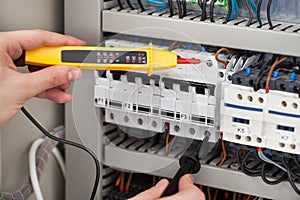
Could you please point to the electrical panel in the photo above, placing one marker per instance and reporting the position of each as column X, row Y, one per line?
column 244, row 95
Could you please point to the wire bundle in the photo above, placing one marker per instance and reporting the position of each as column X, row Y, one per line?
column 283, row 167
column 44, row 147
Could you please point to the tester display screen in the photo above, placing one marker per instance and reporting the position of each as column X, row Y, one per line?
column 104, row 57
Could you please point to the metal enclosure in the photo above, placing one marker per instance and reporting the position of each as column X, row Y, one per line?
column 87, row 20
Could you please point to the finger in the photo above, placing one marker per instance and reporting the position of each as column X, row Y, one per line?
column 55, row 95
column 65, row 86
column 32, row 39
column 187, row 190
column 50, row 77
column 154, row 192
column 186, row 182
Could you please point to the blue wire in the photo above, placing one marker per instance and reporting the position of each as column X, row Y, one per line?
column 254, row 7
column 235, row 10
column 164, row 4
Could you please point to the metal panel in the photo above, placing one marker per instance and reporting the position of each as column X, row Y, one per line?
column 240, row 37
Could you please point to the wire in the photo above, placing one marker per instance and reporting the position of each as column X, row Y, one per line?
column 211, row 13
column 295, row 157
column 227, row 19
column 128, row 182
column 60, row 160
column 167, row 130
column 120, row 5
column 264, row 178
column 291, row 180
column 122, row 181
column 141, row 5
column 118, row 181
column 183, row 4
column 235, row 10
column 129, row 4
column 216, row 194
column 250, row 13
column 224, row 154
column 258, row 13
column 271, row 71
column 254, row 7
column 208, row 193
column 217, row 56
column 234, row 196
column 249, row 171
column 262, row 156
column 170, row 5
column 180, row 12
column 32, row 169
column 203, row 14
column 269, row 14
column 46, row 133
column 164, row 5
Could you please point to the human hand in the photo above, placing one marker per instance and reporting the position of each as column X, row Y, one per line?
column 187, row 191
column 16, row 88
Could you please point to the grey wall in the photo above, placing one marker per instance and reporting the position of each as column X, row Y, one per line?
column 17, row 136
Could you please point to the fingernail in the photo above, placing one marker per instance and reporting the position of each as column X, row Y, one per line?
column 74, row 74
column 161, row 183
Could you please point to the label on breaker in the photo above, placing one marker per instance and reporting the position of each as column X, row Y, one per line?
column 285, row 138
column 184, row 117
column 241, row 130
column 101, row 101
column 128, row 106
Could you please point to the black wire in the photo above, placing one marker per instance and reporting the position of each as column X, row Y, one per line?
column 264, row 178
column 129, row 4
column 269, row 14
column 251, row 16
column 211, row 13
column 203, row 14
column 248, row 171
column 120, row 5
column 258, row 13
column 179, row 8
column 227, row 19
column 265, row 68
column 295, row 157
column 141, row 5
column 291, row 180
column 183, row 4
column 46, row 133
column 170, row 5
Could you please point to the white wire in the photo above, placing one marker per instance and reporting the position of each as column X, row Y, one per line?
column 266, row 159
column 32, row 168
column 60, row 160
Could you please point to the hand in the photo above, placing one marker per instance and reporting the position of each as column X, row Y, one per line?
column 187, row 191
column 15, row 87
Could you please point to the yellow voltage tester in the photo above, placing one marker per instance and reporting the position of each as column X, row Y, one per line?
column 107, row 58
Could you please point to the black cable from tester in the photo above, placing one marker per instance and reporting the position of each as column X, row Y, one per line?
column 91, row 153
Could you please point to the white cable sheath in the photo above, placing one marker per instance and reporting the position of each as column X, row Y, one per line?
column 60, row 160
column 32, row 168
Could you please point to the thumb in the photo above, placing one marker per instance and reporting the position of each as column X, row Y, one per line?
column 50, row 77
